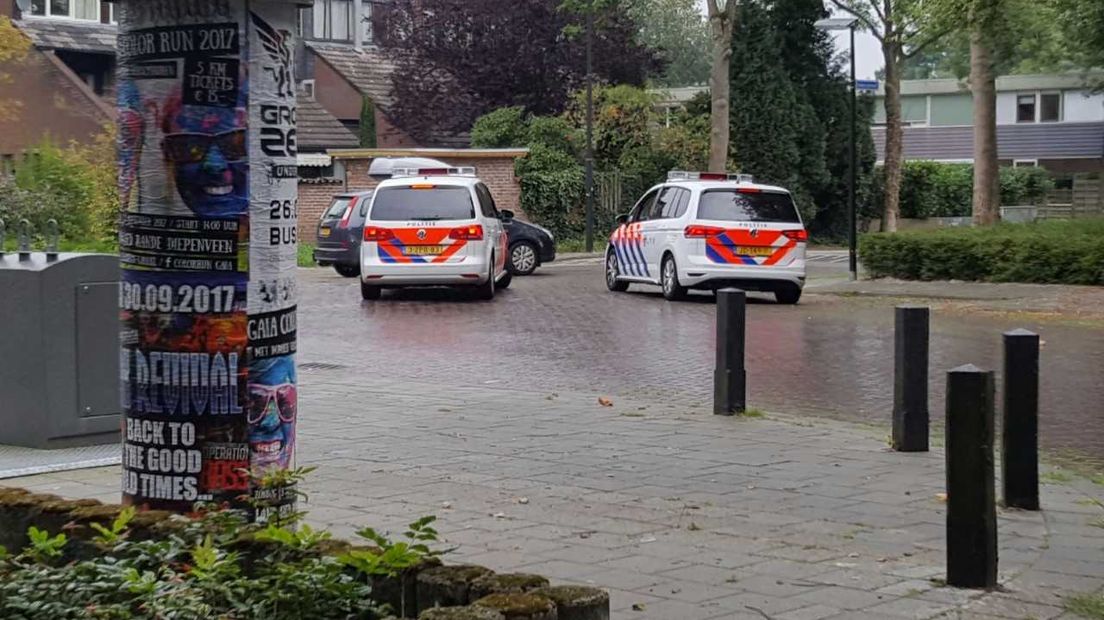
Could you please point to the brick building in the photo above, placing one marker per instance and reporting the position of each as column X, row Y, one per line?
column 494, row 166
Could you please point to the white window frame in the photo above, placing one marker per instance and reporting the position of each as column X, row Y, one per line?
column 1025, row 163
column 49, row 12
column 1039, row 106
column 1035, row 116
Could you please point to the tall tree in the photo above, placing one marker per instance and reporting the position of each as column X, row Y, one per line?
column 1083, row 25
column 457, row 59
column 722, row 21
column 13, row 47
column 983, row 15
column 899, row 27
column 677, row 29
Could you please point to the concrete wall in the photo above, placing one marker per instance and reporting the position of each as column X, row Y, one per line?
column 51, row 100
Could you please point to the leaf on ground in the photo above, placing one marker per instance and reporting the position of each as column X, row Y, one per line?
column 941, row 497
column 638, row 607
column 605, row 402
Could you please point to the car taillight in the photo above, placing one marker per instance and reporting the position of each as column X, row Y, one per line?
column 473, row 232
column 701, row 232
column 797, row 235
column 377, row 234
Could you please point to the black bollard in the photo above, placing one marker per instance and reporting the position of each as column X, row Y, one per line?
column 910, row 380
column 730, row 379
column 1020, row 423
column 971, row 496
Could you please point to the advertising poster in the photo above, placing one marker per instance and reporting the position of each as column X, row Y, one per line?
column 207, row 180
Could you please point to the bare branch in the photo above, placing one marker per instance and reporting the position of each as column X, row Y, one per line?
column 865, row 19
column 919, row 47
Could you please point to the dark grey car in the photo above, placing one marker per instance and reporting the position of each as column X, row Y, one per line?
column 340, row 233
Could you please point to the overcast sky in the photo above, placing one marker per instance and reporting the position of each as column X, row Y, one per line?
column 868, row 55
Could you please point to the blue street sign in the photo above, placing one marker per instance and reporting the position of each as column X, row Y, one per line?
column 866, row 85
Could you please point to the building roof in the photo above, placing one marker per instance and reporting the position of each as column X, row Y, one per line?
column 368, row 69
column 1005, row 83
column 318, row 130
column 70, row 34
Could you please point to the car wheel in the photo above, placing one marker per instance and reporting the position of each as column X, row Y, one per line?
column 486, row 291
column 672, row 290
column 504, row 281
column 523, row 258
column 612, row 273
column 369, row 293
column 789, row 295
column 347, row 271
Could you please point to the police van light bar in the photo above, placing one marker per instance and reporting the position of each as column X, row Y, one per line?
column 680, row 175
column 462, row 171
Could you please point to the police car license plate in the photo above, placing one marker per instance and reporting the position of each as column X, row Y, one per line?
column 423, row 250
column 325, row 232
column 747, row 250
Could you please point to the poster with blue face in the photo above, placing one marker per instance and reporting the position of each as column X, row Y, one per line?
column 207, row 154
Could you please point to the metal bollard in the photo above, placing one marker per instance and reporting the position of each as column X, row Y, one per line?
column 24, row 240
column 730, row 378
column 1020, row 422
column 971, row 501
column 910, row 380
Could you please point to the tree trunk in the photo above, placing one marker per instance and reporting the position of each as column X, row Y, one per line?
column 894, row 135
column 986, row 207
column 721, row 36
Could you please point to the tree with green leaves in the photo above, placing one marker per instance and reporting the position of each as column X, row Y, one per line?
column 677, row 29
column 13, row 48
column 1082, row 24
column 722, row 22
column 902, row 29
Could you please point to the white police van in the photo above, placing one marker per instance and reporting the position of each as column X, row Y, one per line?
column 704, row 230
column 434, row 227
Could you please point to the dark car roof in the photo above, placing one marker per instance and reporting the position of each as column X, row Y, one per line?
column 367, row 192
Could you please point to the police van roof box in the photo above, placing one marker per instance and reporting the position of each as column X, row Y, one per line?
column 680, row 175
column 384, row 167
column 445, row 171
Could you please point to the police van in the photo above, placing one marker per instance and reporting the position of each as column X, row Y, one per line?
column 704, row 230
column 434, row 227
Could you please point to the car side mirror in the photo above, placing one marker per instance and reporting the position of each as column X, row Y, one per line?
column 506, row 215
column 623, row 218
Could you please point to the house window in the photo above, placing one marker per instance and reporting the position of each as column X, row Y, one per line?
column 1050, row 107
column 1025, row 109
column 366, row 22
column 71, row 9
column 333, row 20
column 1025, row 163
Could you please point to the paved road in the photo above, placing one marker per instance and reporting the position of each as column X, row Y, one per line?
column 561, row 330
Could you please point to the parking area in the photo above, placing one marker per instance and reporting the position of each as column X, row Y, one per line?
column 560, row 330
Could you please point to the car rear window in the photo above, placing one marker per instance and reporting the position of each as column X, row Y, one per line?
column 337, row 209
column 730, row 205
column 396, row 204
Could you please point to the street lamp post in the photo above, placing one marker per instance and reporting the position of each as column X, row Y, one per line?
column 849, row 23
column 590, row 128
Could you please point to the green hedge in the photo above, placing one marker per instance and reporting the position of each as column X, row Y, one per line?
column 934, row 189
column 1066, row 252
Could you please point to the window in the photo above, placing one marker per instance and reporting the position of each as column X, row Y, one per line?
column 398, row 204
column 1050, row 107
column 337, row 209
column 1025, row 163
column 333, row 20
column 683, row 202
column 366, row 23
column 734, row 206
column 72, row 9
column 1025, row 109
column 664, row 205
column 486, row 202
column 641, row 211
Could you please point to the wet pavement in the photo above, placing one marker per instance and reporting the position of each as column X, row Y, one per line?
column 561, row 330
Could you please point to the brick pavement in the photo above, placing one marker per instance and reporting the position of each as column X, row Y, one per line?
column 681, row 514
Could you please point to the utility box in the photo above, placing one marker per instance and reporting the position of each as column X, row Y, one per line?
column 59, row 350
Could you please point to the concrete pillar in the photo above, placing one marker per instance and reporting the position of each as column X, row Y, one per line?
column 207, row 239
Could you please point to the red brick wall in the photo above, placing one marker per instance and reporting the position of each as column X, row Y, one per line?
column 388, row 136
column 496, row 172
column 315, row 196
column 49, row 103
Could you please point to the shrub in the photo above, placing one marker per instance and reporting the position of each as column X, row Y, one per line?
column 555, row 198
column 502, row 128
column 934, row 189
column 1068, row 252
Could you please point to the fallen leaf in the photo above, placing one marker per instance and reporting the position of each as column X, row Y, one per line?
column 499, row 515
column 523, row 500
column 693, row 527
column 941, row 497
column 605, row 402
column 638, row 607
column 852, row 555
column 446, row 505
